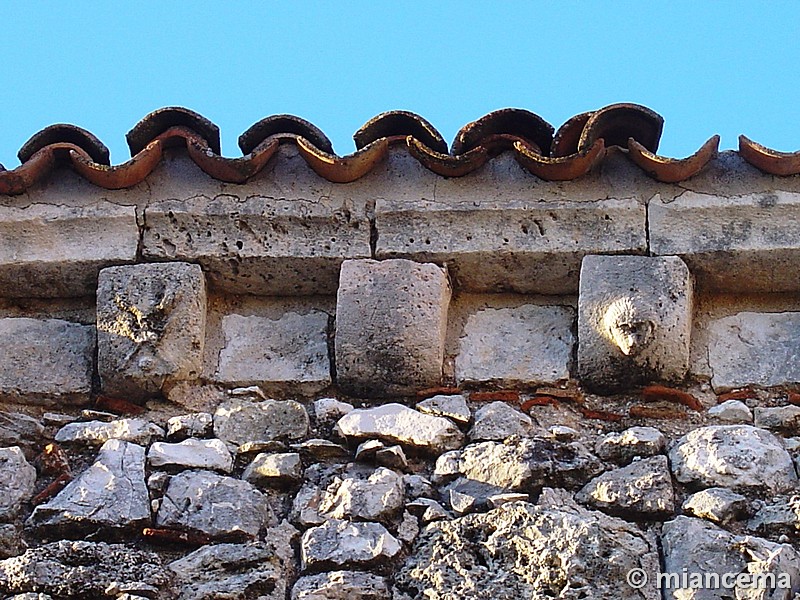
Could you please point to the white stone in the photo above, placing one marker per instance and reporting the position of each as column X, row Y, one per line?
column 497, row 421
column 452, row 406
column 240, row 421
column 281, row 355
column 740, row 457
column 151, row 321
column 285, row 241
column 337, row 544
column 636, row 441
column 715, row 504
column 514, row 346
column 367, row 495
column 740, row 242
column 341, row 585
column 137, row 431
column 731, row 411
column 642, row 488
column 17, row 480
column 267, row 469
column 214, row 505
column 391, row 321
column 56, row 251
column 751, row 348
column 497, row 236
column 330, row 409
column 197, row 425
column 110, row 493
column 634, row 321
column 398, row 424
column 192, row 454
column 46, row 361
column 781, row 418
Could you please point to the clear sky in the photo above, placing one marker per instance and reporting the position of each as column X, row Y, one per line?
column 721, row 67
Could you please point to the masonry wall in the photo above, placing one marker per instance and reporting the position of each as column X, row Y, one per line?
column 402, row 387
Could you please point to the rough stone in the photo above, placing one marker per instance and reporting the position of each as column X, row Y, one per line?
column 364, row 494
column 516, row 346
column 45, row 250
column 740, row 457
column 274, row 469
column 340, row 544
column 341, row 585
column 392, row 457
column 192, row 454
column 46, row 361
column 623, row 447
column 261, row 569
column 451, row 406
column 330, row 409
column 289, row 354
column 525, row 551
column 78, row 569
column 111, row 493
column 692, row 545
column 318, row 449
column 214, row 505
column 502, row 239
column 642, row 488
column 629, row 337
column 731, row 411
column 195, row 425
column 779, row 517
column 18, row 429
column 391, row 321
column 497, row 421
column 151, row 321
column 240, row 421
column 11, row 541
column 742, row 242
column 716, row 504
column 428, row 510
column 137, row 431
column 517, row 464
column 17, row 480
column 417, row 486
column 286, row 241
column 751, row 348
column 398, row 424
column 785, row 419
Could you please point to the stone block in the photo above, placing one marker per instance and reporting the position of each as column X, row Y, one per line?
column 514, row 346
column 754, row 348
column 259, row 244
column 151, row 323
column 49, row 251
column 46, row 361
column 289, row 354
column 391, row 320
column 634, row 321
column 509, row 245
column 740, row 243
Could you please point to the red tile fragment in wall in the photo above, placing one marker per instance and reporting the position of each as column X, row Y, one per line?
column 436, row 391
column 601, row 415
column 660, row 393
column 511, row 396
column 736, row 395
column 51, row 490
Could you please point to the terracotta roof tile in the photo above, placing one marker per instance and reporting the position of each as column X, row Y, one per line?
column 574, row 150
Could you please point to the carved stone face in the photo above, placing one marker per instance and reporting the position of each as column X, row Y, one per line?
column 628, row 326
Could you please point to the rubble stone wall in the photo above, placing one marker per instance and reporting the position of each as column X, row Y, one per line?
column 403, row 387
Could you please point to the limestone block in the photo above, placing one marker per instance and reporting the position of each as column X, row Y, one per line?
column 288, row 354
column 259, row 244
column 391, row 320
column 749, row 242
column 754, row 348
column 513, row 346
column 46, row 360
column 634, row 320
column 515, row 245
column 49, row 251
column 151, row 323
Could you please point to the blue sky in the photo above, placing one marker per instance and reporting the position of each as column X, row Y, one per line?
column 722, row 67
